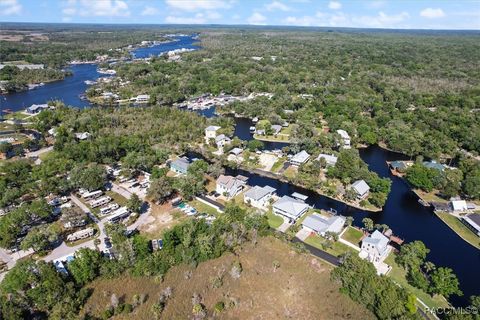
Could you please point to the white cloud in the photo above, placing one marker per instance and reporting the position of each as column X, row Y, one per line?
column 257, row 18
column 340, row 19
column 195, row 5
column 276, row 5
column 10, row 7
column 149, row 11
column 432, row 13
column 334, row 5
column 102, row 8
column 198, row 18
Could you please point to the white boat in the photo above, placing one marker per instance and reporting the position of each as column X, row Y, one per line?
column 252, row 129
column 90, row 82
column 255, row 120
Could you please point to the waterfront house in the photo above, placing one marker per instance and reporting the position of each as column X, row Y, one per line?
column 276, row 129
column 399, row 166
column 321, row 224
column 472, row 221
column 375, row 247
column 180, row 165
column 290, row 208
column 361, row 188
column 434, row 165
column 230, row 186
column 458, row 205
column 259, row 197
column 300, row 158
column 211, row 133
column 222, row 140
column 345, row 139
column 36, row 108
column 330, row 159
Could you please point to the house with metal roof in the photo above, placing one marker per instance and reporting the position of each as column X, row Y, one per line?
column 300, row 158
column 399, row 166
column 259, row 197
column 230, row 186
column 222, row 140
column 375, row 247
column 321, row 224
column 345, row 139
column 180, row 165
column 289, row 207
column 37, row 108
column 434, row 165
column 472, row 221
column 361, row 188
column 211, row 132
column 330, row 159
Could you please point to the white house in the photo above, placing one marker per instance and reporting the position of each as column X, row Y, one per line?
column 229, row 185
column 300, row 158
column 222, row 140
column 211, row 132
column 259, row 197
column 345, row 143
column 330, row 159
column 321, row 224
column 458, row 206
column 289, row 207
column 375, row 247
column 361, row 188
column 82, row 234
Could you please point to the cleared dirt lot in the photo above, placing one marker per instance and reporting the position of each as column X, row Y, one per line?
column 299, row 289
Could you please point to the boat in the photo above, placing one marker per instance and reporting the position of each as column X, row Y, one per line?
column 252, row 129
column 424, row 203
column 90, row 82
column 255, row 120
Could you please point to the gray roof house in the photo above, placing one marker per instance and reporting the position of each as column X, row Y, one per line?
column 289, row 207
column 321, row 224
column 330, row 159
column 472, row 221
column 361, row 188
column 221, row 140
column 259, row 197
column 230, row 185
column 375, row 246
column 180, row 165
column 434, row 165
column 276, row 128
column 300, row 158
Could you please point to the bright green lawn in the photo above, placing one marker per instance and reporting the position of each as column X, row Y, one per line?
column 352, row 235
column 278, row 165
column 456, row 225
column 273, row 220
column 203, row 208
column 337, row 248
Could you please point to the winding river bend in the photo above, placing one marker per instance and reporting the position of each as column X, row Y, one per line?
column 408, row 219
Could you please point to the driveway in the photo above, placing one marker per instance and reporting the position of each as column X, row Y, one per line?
column 284, row 226
column 302, row 234
column 121, row 191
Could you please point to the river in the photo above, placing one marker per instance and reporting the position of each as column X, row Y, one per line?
column 408, row 219
column 70, row 89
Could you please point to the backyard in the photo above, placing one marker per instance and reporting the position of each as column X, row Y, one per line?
column 353, row 235
column 456, row 225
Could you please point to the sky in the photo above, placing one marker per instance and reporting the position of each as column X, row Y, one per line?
column 397, row 14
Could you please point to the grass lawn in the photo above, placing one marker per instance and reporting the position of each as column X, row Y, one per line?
column 429, row 196
column 337, row 248
column 121, row 200
column 5, row 126
column 456, row 225
column 203, row 208
column 352, row 235
column 290, row 172
column 279, row 164
column 273, row 220
column 398, row 274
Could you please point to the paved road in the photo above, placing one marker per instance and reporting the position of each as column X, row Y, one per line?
column 121, row 191
column 320, row 253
